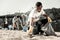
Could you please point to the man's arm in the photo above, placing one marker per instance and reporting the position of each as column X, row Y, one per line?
column 31, row 22
column 49, row 19
column 31, row 26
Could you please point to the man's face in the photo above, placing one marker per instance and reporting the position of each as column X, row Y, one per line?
column 39, row 8
column 15, row 16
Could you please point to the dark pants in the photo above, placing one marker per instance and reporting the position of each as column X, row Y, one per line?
column 5, row 25
column 37, row 27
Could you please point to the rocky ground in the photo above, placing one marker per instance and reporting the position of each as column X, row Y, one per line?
column 20, row 35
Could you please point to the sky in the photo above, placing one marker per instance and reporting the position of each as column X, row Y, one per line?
column 12, row 6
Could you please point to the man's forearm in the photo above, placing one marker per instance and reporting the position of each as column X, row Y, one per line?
column 32, row 21
column 49, row 19
column 31, row 26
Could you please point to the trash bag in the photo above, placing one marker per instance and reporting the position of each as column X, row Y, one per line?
column 48, row 29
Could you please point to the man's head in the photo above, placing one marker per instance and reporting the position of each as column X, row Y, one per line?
column 38, row 6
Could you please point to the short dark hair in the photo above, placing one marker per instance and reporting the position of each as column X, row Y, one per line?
column 38, row 4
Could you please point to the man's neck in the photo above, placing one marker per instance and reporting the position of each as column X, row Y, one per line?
column 38, row 11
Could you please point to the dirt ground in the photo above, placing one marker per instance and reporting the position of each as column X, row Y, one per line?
column 20, row 35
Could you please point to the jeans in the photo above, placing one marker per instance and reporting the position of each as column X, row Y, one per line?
column 25, row 28
column 10, row 27
column 37, row 27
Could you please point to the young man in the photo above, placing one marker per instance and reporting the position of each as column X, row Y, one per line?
column 17, row 23
column 34, row 16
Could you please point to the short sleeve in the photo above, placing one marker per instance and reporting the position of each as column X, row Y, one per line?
column 30, row 15
column 43, row 12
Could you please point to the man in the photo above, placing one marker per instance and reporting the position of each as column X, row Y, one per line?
column 34, row 16
column 17, row 23
column 6, row 23
column 13, row 21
